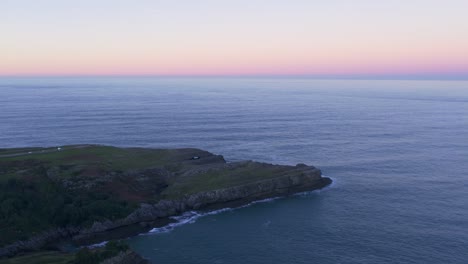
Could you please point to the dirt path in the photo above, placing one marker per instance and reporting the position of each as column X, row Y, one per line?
column 42, row 151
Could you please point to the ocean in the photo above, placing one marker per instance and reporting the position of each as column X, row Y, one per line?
column 396, row 150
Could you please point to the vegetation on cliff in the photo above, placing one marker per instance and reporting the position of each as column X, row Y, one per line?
column 82, row 186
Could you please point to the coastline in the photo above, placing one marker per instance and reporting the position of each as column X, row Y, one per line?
column 147, row 226
column 189, row 179
column 189, row 217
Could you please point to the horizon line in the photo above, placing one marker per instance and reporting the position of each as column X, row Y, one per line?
column 444, row 77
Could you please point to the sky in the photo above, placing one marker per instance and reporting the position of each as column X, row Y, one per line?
column 415, row 38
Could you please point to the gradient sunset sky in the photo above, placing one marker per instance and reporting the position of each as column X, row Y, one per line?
column 243, row 37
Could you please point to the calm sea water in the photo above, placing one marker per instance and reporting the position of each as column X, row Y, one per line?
column 397, row 151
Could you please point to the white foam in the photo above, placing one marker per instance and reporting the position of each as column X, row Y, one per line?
column 333, row 183
column 186, row 218
column 190, row 217
column 98, row 245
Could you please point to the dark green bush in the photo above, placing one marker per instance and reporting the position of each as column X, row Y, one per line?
column 28, row 207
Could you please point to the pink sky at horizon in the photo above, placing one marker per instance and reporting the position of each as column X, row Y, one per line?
column 255, row 37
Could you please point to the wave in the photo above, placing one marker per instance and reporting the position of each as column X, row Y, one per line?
column 186, row 218
column 191, row 217
column 97, row 245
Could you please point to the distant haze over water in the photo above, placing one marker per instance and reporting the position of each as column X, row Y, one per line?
column 397, row 151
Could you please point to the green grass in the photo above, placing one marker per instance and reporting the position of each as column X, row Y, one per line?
column 108, row 157
column 81, row 184
column 222, row 178
column 31, row 202
column 18, row 150
column 33, row 197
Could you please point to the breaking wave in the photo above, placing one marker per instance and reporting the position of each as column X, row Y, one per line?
column 191, row 217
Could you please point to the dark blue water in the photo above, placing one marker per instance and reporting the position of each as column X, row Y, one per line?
column 397, row 150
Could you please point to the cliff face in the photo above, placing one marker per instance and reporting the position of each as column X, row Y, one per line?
column 147, row 213
column 305, row 179
column 171, row 182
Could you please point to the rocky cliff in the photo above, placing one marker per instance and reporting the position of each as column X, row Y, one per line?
column 153, row 184
column 227, row 197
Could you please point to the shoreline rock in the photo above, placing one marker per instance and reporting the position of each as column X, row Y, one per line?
column 156, row 215
column 153, row 215
column 279, row 180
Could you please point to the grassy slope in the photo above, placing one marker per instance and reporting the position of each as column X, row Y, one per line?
column 106, row 157
column 103, row 183
column 31, row 202
column 218, row 178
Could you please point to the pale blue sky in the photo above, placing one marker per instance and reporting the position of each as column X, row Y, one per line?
column 234, row 37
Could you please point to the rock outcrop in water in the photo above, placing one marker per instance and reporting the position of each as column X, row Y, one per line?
column 122, row 192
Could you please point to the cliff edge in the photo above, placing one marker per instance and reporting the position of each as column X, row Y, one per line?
column 88, row 193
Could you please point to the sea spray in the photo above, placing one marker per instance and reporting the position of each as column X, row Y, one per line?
column 191, row 217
